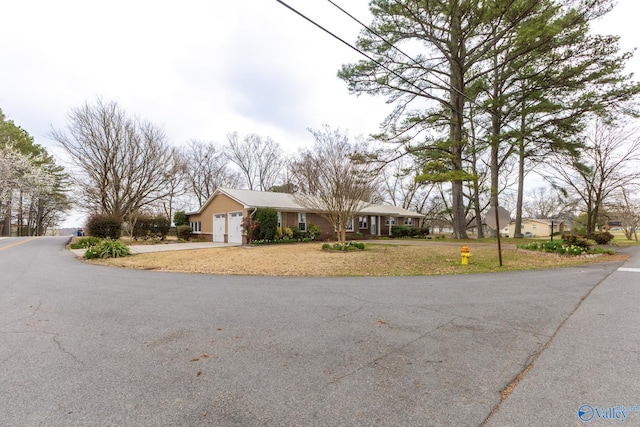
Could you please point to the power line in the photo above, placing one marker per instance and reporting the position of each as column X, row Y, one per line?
column 352, row 47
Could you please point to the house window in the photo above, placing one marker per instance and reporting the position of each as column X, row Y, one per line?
column 302, row 221
column 533, row 226
column 408, row 221
column 362, row 222
column 391, row 220
column 280, row 219
column 195, row 226
column 349, row 225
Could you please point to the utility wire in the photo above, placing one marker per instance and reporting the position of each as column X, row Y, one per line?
column 353, row 47
column 410, row 58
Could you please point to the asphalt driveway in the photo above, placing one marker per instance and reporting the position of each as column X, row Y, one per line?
column 88, row 345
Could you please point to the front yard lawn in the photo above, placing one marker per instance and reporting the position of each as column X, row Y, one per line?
column 308, row 259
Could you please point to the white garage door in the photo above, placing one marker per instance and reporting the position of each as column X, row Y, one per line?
column 218, row 227
column 235, row 227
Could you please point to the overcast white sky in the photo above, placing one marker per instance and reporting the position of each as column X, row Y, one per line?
column 199, row 68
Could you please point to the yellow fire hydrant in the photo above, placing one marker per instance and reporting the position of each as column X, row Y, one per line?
column 465, row 255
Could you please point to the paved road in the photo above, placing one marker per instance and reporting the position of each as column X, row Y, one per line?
column 90, row 345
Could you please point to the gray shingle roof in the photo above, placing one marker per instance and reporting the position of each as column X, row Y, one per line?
column 287, row 202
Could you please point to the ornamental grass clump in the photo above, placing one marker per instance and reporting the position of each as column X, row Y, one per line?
column 85, row 242
column 108, row 248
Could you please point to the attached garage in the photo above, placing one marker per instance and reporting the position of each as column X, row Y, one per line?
column 219, row 223
column 235, row 227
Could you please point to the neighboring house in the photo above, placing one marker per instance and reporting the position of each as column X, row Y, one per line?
column 532, row 227
column 221, row 218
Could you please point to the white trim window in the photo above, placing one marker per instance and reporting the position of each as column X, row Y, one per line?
column 302, row 221
column 196, row 226
column 391, row 220
column 408, row 221
column 349, row 225
column 362, row 223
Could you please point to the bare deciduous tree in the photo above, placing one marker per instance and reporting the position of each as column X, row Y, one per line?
column 176, row 186
column 628, row 210
column 207, row 169
column 602, row 168
column 260, row 160
column 330, row 181
column 401, row 188
column 545, row 202
column 122, row 162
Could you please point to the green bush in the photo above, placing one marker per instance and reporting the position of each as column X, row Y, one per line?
column 602, row 237
column 296, row 233
column 279, row 234
column 401, row 231
column 313, row 231
column 601, row 250
column 180, row 218
column 267, row 220
column 422, row 232
column 576, row 240
column 85, row 242
column 287, row 233
column 104, row 226
column 112, row 249
column 147, row 227
column 184, row 231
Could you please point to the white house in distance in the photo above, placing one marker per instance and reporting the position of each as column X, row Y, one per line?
column 533, row 227
column 221, row 218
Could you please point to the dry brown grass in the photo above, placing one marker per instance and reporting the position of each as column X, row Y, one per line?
column 308, row 259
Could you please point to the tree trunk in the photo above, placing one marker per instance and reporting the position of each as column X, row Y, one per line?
column 520, row 198
column 457, row 119
column 521, row 158
column 495, row 142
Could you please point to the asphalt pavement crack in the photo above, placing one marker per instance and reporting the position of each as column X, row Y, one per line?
column 387, row 354
column 340, row 316
column 6, row 359
column 62, row 349
column 54, row 337
column 475, row 319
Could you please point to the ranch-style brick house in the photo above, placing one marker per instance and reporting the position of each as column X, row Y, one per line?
column 221, row 218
